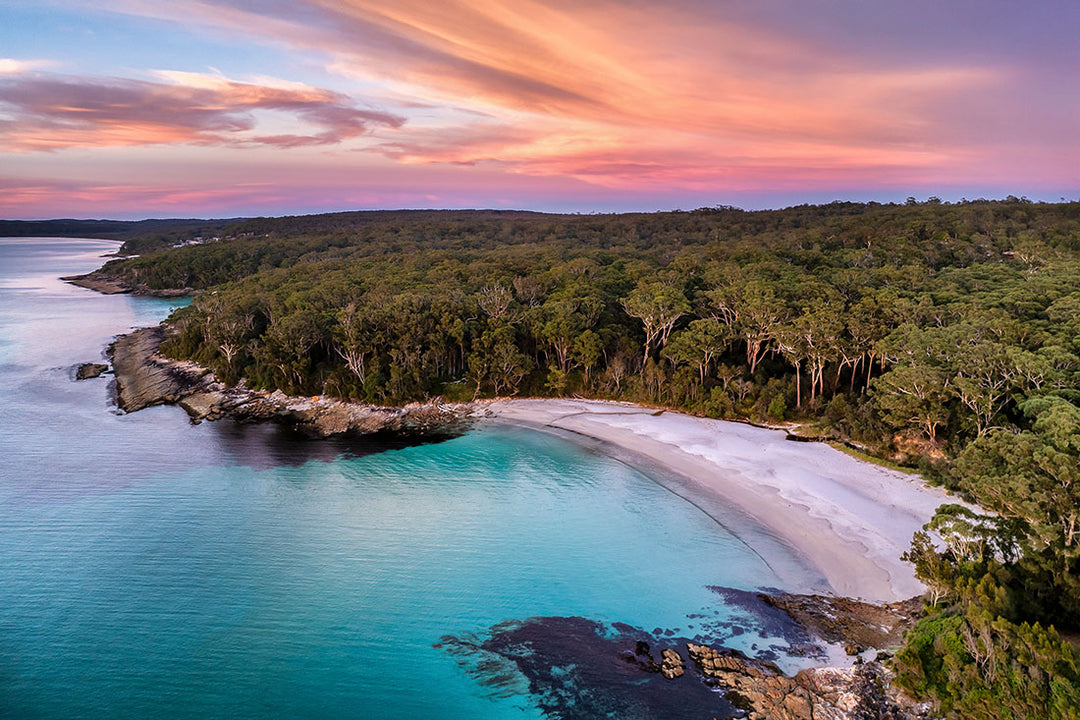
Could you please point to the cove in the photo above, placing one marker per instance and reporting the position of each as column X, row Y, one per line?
column 149, row 567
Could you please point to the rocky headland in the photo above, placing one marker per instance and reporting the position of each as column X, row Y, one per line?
column 145, row 378
column 108, row 284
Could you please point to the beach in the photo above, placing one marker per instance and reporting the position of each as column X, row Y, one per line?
column 826, row 521
column 822, row 520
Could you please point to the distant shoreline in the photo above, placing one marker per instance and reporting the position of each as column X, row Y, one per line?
column 823, row 520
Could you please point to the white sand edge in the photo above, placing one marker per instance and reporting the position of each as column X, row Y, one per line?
column 848, row 519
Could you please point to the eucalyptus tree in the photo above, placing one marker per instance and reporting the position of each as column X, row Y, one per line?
column 587, row 352
column 497, row 301
column 355, row 339
column 699, row 344
column 658, row 306
column 496, row 361
column 565, row 318
column 287, row 346
column 916, row 394
column 1034, row 475
column 753, row 309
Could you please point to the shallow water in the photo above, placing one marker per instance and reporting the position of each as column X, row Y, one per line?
column 149, row 567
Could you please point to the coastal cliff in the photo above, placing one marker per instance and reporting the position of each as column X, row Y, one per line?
column 145, row 378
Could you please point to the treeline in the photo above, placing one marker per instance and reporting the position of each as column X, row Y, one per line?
column 947, row 335
column 139, row 236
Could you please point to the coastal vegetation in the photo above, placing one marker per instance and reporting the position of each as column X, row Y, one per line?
column 944, row 336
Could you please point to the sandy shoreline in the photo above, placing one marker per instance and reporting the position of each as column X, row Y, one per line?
column 824, row 520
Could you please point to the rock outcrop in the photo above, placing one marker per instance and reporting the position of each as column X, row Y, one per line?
column 671, row 664
column 87, row 371
column 145, row 378
column 857, row 625
column 98, row 282
column 857, row 693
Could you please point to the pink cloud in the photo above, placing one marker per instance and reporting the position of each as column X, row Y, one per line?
column 51, row 112
column 606, row 97
column 563, row 84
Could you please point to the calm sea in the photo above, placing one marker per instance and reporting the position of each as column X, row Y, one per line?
column 151, row 568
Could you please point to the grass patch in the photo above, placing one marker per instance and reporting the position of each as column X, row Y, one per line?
column 866, row 457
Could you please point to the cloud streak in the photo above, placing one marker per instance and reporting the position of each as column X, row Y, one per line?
column 614, row 96
column 53, row 112
column 617, row 75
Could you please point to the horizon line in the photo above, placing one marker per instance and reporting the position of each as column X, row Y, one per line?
column 910, row 201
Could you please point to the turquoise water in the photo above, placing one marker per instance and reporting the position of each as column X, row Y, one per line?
column 150, row 568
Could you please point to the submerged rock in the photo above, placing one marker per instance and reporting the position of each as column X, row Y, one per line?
column 857, row 625
column 574, row 668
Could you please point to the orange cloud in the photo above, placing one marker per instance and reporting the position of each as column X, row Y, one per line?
column 617, row 94
column 50, row 112
column 627, row 65
column 563, row 84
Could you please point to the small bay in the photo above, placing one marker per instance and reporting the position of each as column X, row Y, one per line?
column 151, row 568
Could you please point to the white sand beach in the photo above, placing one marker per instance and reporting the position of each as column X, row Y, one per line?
column 824, row 520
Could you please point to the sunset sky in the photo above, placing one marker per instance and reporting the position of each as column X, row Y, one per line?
column 220, row 108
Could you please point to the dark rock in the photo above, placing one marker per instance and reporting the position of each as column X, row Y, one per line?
column 577, row 669
column 852, row 622
column 142, row 380
column 90, row 370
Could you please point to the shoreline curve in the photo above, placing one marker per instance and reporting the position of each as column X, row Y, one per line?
column 824, row 521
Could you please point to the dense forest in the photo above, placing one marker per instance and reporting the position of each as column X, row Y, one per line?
column 940, row 335
column 138, row 235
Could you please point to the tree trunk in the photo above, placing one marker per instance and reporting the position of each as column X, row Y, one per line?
column 798, row 386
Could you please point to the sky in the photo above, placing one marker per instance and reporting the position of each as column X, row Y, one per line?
column 223, row 108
